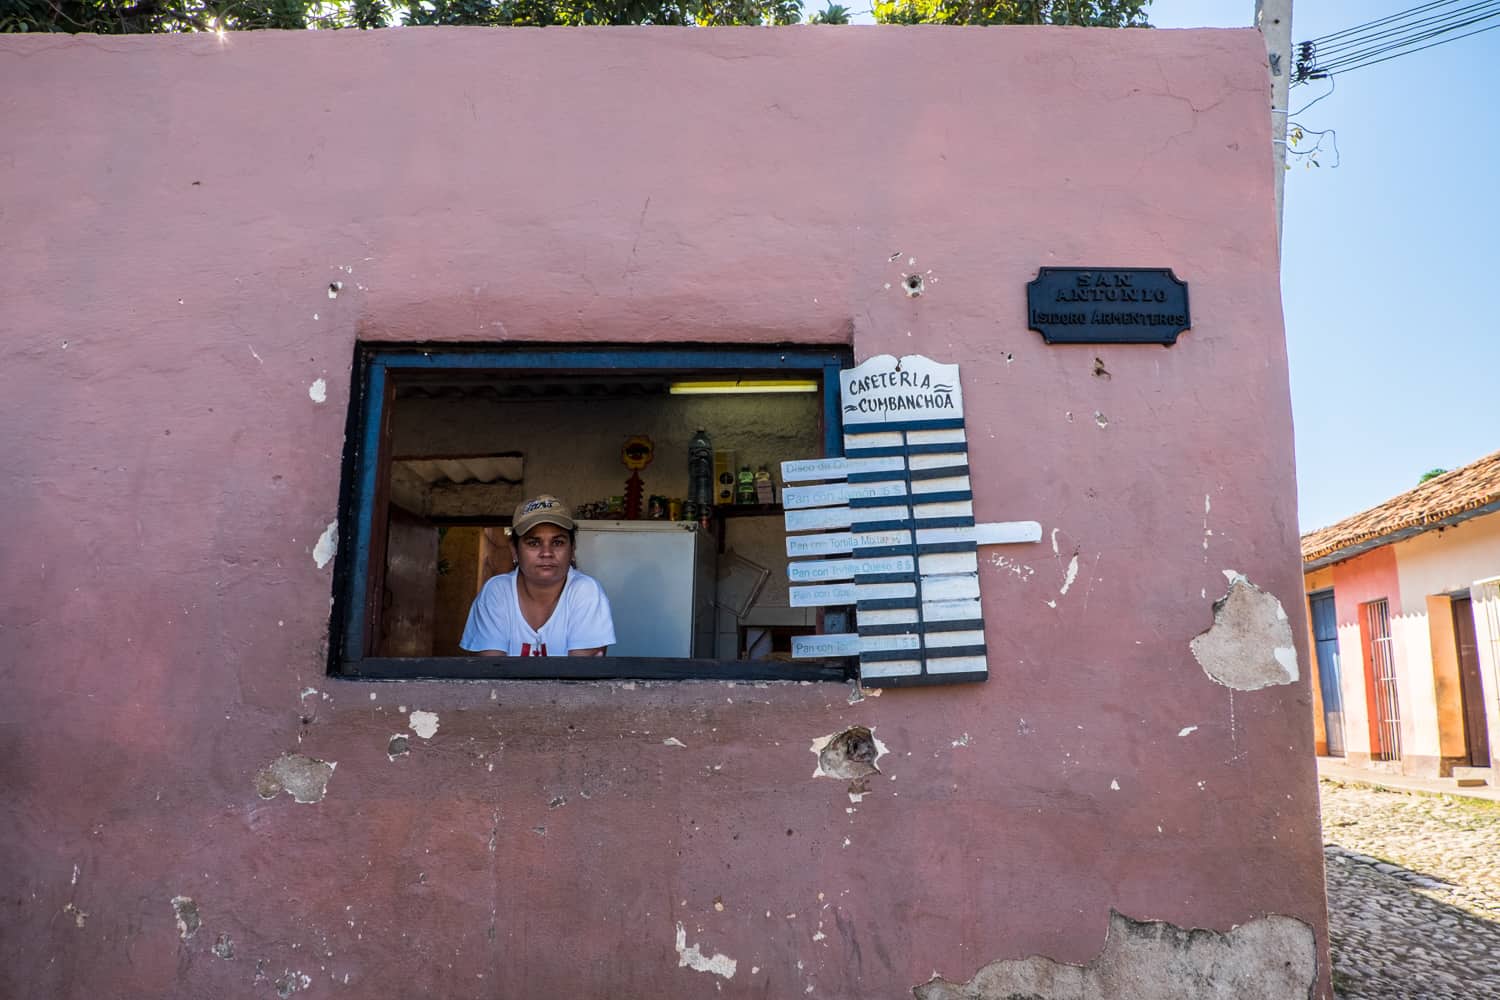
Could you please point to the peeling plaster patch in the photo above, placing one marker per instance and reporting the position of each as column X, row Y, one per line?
column 1018, row 568
column 672, row 741
column 1101, row 419
column 80, row 917
column 692, row 958
column 224, row 947
column 1249, row 645
column 304, row 778
column 291, row 982
column 328, row 544
column 851, row 754
column 1114, row 784
column 75, row 876
column 1185, row 730
column 186, row 912
column 963, row 740
column 1270, row 958
column 1071, row 575
column 399, row 746
column 1287, row 657
column 424, row 724
column 318, row 391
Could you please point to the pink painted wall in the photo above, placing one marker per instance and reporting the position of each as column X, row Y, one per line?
column 174, row 209
column 1368, row 577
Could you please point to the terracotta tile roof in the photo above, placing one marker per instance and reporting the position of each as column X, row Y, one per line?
column 1440, row 498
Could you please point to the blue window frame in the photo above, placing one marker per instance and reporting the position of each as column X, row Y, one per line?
column 378, row 368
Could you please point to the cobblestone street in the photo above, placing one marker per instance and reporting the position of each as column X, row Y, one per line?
column 1413, row 893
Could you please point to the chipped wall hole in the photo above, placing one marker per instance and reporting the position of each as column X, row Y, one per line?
column 302, row 777
column 186, row 912
column 913, row 284
column 850, row 754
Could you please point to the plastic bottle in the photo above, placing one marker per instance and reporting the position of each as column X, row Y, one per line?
column 744, row 489
column 701, row 473
column 765, row 489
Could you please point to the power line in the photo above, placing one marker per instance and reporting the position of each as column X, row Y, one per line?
column 1375, row 48
column 1435, row 22
column 1372, row 62
column 1378, row 21
column 1386, row 38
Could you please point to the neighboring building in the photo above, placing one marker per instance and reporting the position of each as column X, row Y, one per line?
column 1404, row 611
column 227, row 261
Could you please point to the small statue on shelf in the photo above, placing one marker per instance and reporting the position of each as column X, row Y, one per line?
column 636, row 455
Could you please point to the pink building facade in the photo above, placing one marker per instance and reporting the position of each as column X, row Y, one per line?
column 202, row 236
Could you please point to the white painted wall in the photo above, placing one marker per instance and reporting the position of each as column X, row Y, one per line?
column 1449, row 561
column 1352, row 685
column 1442, row 562
column 1415, row 686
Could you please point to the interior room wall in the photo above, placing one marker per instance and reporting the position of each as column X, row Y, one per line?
column 571, row 454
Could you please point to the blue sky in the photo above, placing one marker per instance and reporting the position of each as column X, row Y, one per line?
column 1389, row 260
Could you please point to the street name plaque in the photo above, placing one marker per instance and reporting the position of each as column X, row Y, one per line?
column 1107, row 305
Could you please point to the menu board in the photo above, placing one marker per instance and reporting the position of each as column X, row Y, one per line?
column 889, row 528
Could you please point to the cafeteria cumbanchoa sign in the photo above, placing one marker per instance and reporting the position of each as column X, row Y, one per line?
column 914, row 387
column 889, row 528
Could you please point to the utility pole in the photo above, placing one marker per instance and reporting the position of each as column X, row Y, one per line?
column 1274, row 19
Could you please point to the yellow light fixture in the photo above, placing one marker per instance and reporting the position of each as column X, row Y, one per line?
column 741, row 385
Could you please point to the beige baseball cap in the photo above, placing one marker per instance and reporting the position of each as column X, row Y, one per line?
column 544, row 509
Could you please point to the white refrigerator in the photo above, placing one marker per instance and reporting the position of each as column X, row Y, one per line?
column 659, row 577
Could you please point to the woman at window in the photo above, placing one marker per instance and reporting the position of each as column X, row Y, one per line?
column 545, row 606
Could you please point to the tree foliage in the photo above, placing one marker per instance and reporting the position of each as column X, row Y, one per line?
column 128, row 17
column 832, row 14
column 1430, row 474
column 1083, row 13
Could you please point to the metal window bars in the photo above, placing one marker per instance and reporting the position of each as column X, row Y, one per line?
column 1382, row 675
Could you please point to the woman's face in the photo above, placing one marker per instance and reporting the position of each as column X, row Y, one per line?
column 543, row 556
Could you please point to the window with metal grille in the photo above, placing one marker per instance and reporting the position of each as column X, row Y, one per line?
column 1380, row 658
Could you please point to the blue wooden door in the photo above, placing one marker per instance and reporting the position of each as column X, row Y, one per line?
column 1326, row 644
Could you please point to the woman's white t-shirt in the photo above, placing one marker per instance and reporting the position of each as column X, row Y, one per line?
column 581, row 619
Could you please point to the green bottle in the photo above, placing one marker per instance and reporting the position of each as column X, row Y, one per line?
column 744, row 487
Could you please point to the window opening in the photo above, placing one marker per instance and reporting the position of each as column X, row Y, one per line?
column 1382, row 675
column 445, row 442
